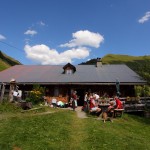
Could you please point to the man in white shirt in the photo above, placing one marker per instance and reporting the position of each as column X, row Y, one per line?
column 96, row 97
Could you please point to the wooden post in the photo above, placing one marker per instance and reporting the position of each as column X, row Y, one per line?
column 2, row 92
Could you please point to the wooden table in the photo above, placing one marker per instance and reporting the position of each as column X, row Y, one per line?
column 104, row 107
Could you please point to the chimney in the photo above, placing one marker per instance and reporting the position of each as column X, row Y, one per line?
column 99, row 62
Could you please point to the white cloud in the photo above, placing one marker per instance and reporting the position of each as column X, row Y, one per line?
column 145, row 18
column 44, row 55
column 42, row 23
column 77, row 49
column 84, row 38
column 30, row 32
column 2, row 37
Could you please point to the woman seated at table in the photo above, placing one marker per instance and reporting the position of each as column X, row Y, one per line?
column 94, row 106
column 119, row 104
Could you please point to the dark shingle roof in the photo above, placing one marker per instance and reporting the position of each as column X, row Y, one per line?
column 53, row 74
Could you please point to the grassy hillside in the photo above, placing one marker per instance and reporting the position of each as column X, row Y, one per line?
column 115, row 59
column 7, row 61
column 118, row 59
column 140, row 64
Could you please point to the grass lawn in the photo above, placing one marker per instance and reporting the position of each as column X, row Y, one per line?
column 63, row 130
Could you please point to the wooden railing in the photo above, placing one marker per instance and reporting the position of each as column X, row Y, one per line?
column 135, row 104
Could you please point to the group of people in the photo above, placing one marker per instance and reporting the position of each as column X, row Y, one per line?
column 93, row 103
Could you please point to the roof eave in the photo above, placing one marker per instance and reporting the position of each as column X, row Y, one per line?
column 82, row 83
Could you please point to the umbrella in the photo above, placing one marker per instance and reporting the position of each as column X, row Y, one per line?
column 118, row 87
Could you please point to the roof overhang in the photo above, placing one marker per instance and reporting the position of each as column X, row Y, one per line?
column 80, row 83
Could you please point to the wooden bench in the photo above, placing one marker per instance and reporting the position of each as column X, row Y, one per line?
column 118, row 112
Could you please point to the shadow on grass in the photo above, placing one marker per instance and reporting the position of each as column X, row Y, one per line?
column 139, row 117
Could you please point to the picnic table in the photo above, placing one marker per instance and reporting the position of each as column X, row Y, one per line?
column 104, row 106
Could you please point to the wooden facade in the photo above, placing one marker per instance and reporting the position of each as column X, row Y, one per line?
column 63, row 92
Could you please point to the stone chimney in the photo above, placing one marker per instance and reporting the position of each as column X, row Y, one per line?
column 99, row 62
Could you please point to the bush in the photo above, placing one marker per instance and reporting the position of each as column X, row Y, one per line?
column 36, row 95
column 146, row 90
column 138, row 90
column 142, row 90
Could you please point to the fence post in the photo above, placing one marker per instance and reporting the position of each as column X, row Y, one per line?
column 2, row 92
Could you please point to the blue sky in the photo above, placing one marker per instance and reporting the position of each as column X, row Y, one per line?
column 61, row 31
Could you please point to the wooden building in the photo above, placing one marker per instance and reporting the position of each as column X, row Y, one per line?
column 60, row 80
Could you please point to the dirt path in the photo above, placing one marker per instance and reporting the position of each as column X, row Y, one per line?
column 77, row 133
column 80, row 113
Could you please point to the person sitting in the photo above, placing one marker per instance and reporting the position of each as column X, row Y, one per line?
column 94, row 106
column 60, row 104
column 54, row 102
column 118, row 111
column 119, row 104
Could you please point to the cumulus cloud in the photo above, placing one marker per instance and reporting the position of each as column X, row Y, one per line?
column 145, row 18
column 84, row 38
column 77, row 48
column 2, row 37
column 44, row 55
column 30, row 32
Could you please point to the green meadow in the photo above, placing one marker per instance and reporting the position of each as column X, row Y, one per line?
column 52, row 129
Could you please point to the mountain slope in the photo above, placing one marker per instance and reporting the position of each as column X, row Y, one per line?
column 115, row 59
column 7, row 61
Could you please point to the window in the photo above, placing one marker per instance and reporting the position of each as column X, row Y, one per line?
column 69, row 71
